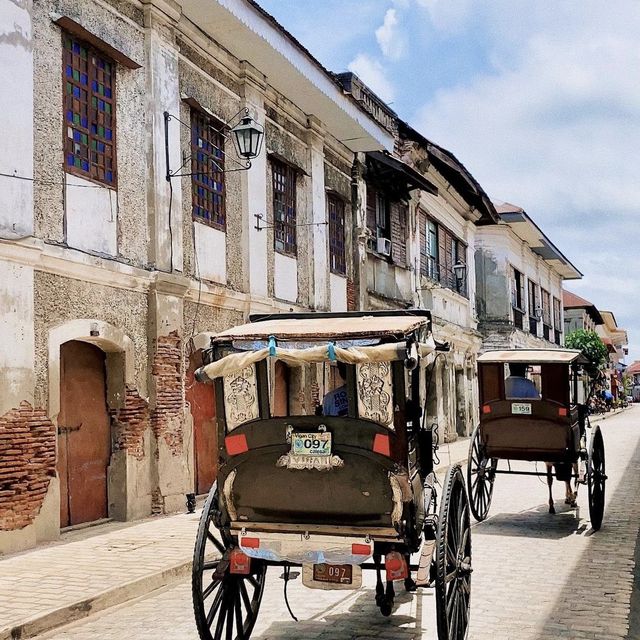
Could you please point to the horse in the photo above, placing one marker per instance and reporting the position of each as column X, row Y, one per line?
column 564, row 471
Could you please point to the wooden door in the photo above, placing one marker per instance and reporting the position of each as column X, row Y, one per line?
column 84, row 435
column 201, row 399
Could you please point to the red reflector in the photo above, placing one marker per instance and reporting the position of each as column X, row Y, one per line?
column 239, row 562
column 486, row 409
column 395, row 566
column 381, row 444
column 562, row 411
column 250, row 543
column 360, row 549
column 236, row 444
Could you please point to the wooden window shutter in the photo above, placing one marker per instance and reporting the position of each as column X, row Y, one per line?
column 371, row 208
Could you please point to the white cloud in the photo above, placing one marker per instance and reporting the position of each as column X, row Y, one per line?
column 372, row 73
column 448, row 15
column 555, row 128
column 390, row 37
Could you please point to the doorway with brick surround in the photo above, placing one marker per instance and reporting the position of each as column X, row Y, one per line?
column 201, row 399
column 84, row 434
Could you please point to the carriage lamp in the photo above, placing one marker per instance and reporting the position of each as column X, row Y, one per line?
column 248, row 136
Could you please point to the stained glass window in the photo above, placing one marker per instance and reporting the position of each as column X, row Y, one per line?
column 89, row 105
column 335, row 206
column 284, row 207
column 207, row 167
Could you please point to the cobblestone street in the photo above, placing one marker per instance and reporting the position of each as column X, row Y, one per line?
column 536, row 576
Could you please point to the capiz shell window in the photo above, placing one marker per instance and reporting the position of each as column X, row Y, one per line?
column 284, row 207
column 89, row 111
column 335, row 206
column 207, row 167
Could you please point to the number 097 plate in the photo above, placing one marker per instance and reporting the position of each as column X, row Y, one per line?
column 311, row 444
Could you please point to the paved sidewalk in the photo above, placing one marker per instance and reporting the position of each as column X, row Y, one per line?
column 99, row 567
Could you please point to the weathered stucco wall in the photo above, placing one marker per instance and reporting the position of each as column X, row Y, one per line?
column 200, row 84
column 59, row 299
column 128, row 202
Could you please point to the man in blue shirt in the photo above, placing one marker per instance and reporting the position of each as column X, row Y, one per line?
column 336, row 403
column 517, row 385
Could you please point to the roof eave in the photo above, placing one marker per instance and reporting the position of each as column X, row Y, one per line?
column 250, row 33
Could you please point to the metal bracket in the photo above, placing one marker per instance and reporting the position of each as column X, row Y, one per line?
column 176, row 173
column 261, row 227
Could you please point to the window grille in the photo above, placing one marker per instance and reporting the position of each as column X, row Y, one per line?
column 89, row 107
column 337, row 252
column 207, row 167
column 284, row 207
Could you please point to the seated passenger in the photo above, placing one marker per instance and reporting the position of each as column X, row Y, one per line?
column 336, row 403
column 517, row 385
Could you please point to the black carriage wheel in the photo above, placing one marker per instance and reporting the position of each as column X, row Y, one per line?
column 596, row 479
column 480, row 478
column 453, row 559
column 225, row 606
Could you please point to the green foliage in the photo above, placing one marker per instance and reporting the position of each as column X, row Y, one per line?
column 591, row 346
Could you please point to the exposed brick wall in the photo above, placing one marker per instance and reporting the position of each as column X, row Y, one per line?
column 27, row 464
column 168, row 414
column 352, row 302
column 130, row 423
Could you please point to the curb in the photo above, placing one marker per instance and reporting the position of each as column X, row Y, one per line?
column 111, row 597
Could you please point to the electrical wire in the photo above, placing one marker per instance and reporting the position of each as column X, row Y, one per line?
column 51, row 183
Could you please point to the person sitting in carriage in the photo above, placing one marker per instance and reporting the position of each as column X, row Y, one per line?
column 335, row 402
column 517, row 385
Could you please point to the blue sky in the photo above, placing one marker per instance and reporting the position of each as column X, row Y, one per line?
column 539, row 99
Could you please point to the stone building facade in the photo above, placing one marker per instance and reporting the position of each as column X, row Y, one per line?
column 112, row 274
column 416, row 215
column 519, row 277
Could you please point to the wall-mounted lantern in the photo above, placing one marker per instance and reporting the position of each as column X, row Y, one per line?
column 248, row 136
column 460, row 272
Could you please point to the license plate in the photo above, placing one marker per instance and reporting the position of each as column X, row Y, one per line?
column 335, row 573
column 311, row 444
column 521, row 408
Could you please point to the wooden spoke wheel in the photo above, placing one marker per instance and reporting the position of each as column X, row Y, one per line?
column 480, row 478
column 225, row 605
column 596, row 478
column 453, row 559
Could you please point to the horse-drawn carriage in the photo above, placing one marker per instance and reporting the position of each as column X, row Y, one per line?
column 336, row 486
column 533, row 407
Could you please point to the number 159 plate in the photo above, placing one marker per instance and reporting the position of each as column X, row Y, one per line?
column 311, row 444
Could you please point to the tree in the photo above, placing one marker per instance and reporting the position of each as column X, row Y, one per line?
column 592, row 348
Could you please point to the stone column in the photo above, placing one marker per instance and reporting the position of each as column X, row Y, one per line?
column 359, row 237
column 319, row 231
column 29, row 506
column 172, row 446
column 163, row 94
column 254, row 189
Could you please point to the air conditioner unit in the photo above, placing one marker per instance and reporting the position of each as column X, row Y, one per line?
column 383, row 246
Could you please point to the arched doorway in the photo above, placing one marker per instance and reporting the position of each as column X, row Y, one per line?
column 84, row 434
column 201, row 399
